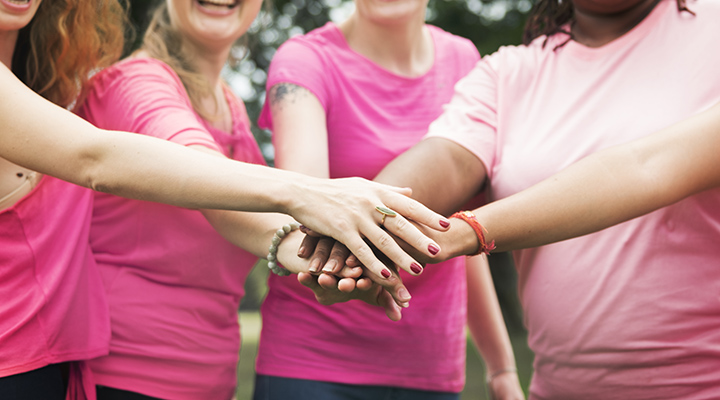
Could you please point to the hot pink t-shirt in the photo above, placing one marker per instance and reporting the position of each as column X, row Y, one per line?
column 632, row 312
column 52, row 306
column 372, row 116
column 173, row 283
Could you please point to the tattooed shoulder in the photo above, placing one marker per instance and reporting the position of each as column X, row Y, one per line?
column 286, row 92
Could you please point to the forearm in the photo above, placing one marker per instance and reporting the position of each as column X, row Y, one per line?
column 46, row 138
column 611, row 186
column 442, row 174
column 485, row 320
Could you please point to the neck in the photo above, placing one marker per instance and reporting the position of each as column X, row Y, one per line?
column 209, row 62
column 8, row 40
column 595, row 29
column 405, row 49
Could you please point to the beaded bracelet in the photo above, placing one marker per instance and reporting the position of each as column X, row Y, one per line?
column 469, row 217
column 272, row 251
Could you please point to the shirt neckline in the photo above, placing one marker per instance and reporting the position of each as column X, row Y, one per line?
column 342, row 42
column 634, row 34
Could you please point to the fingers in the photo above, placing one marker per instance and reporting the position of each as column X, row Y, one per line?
column 412, row 235
column 415, row 211
column 321, row 253
column 336, row 260
column 327, row 282
column 386, row 301
column 346, row 285
column 307, row 246
column 390, row 248
column 394, row 286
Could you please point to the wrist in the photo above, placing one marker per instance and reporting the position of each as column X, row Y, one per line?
column 481, row 246
column 275, row 243
column 491, row 375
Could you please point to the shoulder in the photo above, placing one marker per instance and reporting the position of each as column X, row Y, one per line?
column 127, row 73
column 321, row 41
column 513, row 57
column 447, row 40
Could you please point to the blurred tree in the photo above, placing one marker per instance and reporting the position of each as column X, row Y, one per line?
column 488, row 23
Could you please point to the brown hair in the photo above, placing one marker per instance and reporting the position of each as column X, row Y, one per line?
column 549, row 17
column 163, row 42
column 65, row 42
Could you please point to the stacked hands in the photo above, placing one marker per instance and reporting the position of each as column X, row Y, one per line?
column 405, row 236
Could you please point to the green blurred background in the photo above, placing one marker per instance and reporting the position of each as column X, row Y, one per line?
column 489, row 24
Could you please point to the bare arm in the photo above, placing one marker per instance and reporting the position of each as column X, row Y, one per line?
column 611, row 186
column 488, row 331
column 301, row 135
column 442, row 174
column 41, row 136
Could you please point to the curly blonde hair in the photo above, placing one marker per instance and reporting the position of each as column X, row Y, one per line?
column 65, row 42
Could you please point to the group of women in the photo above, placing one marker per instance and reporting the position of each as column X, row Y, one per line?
column 127, row 298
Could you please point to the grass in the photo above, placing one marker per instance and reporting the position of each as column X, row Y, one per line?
column 474, row 387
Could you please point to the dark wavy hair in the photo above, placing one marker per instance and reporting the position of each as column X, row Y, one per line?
column 549, row 17
column 65, row 42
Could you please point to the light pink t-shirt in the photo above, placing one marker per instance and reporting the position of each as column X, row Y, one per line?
column 173, row 283
column 52, row 306
column 632, row 312
column 372, row 116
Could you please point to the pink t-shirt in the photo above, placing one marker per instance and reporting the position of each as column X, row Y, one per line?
column 372, row 116
column 53, row 307
column 173, row 283
column 632, row 312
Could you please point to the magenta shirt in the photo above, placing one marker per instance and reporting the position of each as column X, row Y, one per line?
column 173, row 283
column 373, row 115
column 632, row 312
column 53, row 308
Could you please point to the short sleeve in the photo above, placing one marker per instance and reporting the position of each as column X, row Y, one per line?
column 470, row 119
column 145, row 96
column 300, row 63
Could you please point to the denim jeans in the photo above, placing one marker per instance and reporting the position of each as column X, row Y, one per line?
column 276, row 388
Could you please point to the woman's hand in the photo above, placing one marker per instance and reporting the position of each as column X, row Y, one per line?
column 347, row 210
column 330, row 292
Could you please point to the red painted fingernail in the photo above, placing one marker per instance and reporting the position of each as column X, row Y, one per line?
column 416, row 268
column 385, row 273
column 433, row 249
column 444, row 223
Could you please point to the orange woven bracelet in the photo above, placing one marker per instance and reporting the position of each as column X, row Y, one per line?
column 470, row 218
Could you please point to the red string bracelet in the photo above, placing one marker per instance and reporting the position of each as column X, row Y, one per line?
column 469, row 217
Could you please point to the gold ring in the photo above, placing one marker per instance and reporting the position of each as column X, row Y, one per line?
column 386, row 212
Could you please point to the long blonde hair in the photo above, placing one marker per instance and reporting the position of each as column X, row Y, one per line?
column 65, row 42
column 163, row 42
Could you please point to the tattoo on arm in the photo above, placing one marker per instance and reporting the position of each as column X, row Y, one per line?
column 286, row 93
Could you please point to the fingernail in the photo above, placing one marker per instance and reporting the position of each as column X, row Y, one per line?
column 330, row 266
column 303, row 229
column 433, row 249
column 404, row 294
column 301, row 251
column 416, row 268
column 385, row 273
column 314, row 265
column 444, row 223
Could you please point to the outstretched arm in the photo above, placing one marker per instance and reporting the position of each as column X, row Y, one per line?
column 46, row 138
column 611, row 186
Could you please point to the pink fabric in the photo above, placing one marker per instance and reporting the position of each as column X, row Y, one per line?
column 630, row 312
column 53, row 306
column 373, row 115
column 173, row 283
